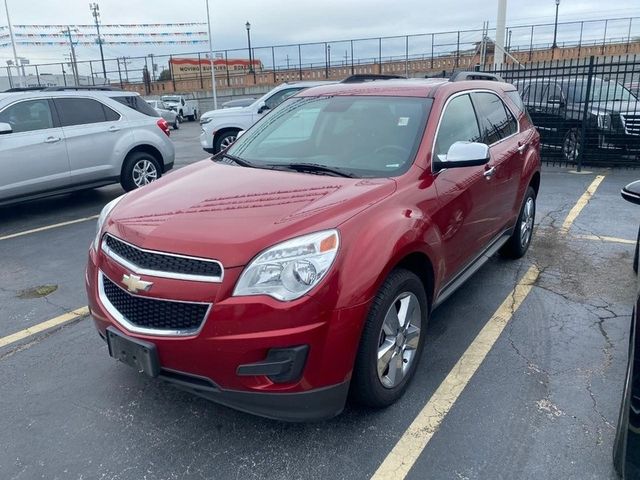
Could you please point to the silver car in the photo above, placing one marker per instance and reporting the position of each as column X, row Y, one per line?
column 170, row 116
column 56, row 140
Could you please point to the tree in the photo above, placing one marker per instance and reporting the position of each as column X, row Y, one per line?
column 164, row 75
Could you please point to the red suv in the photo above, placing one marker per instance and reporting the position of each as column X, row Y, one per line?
column 301, row 265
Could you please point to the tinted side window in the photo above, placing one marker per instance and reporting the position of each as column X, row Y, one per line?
column 111, row 115
column 554, row 93
column 28, row 116
column 79, row 111
column 458, row 124
column 138, row 104
column 534, row 93
column 277, row 98
column 517, row 100
column 496, row 121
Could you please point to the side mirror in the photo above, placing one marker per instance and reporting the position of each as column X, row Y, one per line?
column 239, row 134
column 462, row 154
column 5, row 128
column 263, row 108
column 631, row 193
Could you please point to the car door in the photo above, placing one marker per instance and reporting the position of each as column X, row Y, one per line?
column 552, row 113
column 499, row 130
column 532, row 98
column 33, row 157
column 92, row 131
column 464, row 194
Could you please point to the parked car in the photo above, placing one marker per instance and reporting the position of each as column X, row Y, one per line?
column 239, row 102
column 304, row 262
column 171, row 116
column 557, row 107
column 185, row 107
column 220, row 127
column 626, row 450
column 57, row 140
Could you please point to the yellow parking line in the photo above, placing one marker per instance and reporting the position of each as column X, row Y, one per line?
column 54, row 322
column 580, row 204
column 49, row 227
column 426, row 424
column 602, row 238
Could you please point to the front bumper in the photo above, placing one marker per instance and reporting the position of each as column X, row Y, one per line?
column 240, row 332
column 206, row 140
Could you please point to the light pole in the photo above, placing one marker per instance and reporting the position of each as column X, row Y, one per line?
column 555, row 27
column 74, row 60
column 251, row 69
column 212, row 60
column 13, row 43
column 498, row 50
column 95, row 11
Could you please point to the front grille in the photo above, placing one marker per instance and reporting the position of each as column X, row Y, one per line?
column 147, row 314
column 631, row 123
column 157, row 262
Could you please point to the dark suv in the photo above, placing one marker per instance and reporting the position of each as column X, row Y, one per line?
column 557, row 108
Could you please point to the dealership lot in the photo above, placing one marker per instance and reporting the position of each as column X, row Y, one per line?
column 543, row 403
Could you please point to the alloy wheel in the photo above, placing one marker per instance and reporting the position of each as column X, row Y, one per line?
column 399, row 339
column 526, row 223
column 571, row 145
column 144, row 172
column 227, row 141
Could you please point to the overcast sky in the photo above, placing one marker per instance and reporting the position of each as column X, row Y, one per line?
column 293, row 21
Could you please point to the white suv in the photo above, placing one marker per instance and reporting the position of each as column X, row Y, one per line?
column 220, row 127
column 56, row 140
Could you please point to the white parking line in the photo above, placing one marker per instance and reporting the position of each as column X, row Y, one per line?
column 405, row 453
column 49, row 227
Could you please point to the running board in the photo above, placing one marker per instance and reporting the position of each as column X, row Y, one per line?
column 472, row 268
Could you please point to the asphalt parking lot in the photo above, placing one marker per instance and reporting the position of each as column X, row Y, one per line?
column 542, row 404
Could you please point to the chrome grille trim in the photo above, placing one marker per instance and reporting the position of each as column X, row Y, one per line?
column 122, row 320
column 631, row 123
column 158, row 273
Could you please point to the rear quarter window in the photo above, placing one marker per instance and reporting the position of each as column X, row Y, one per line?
column 136, row 103
column 515, row 97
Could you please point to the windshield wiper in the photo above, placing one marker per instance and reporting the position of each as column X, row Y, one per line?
column 240, row 161
column 315, row 168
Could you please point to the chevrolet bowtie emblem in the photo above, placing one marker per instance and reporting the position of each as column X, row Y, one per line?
column 134, row 283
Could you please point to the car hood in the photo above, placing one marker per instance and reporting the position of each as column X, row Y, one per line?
column 232, row 213
column 223, row 112
column 620, row 106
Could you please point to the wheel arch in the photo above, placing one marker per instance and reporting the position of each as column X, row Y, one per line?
column 420, row 264
column 145, row 148
column 220, row 132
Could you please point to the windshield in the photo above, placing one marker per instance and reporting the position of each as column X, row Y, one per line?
column 359, row 135
column 601, row 91
column 169, row 98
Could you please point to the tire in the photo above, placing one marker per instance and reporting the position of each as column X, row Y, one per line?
column 572, row 144
column 625, row 405
column 133, row 170
column 225, row 140
column 520, row 239
column 176, row 123
column 637, row 254
column 377, row 383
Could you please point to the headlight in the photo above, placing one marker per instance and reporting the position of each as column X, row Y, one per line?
column 603, row 120
column 290, row 269
column 205, row 120
column 102, row 218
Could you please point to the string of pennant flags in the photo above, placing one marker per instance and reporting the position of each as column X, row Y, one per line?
column 106, row 25
column 137, row 34
column 141, row 42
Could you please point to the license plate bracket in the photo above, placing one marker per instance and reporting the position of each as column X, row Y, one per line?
column 141, row 355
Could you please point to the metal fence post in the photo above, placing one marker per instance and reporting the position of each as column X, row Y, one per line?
column 64, row 74
column 628, row 36
column 433, row 36
column 458, row 50
column 352, row 69
column 380, row 55
column 604, row 40
column 300, row 60
column 173, row 79
column 585, row 112
column 326, row 62
column 226, row 62
column 580, row 41
column 200, row 71
column 119, row 73
column 38, row 76
column 93, row 78
column 531, row 45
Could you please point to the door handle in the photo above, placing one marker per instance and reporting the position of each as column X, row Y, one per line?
column 114, row 128
column 489, row 173
column 52, row 139
column 522, row 148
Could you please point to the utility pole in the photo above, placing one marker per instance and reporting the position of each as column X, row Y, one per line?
column 74, row 61
column 212, row 60
column 95, row 11
column 498, row 50
column 13, row 44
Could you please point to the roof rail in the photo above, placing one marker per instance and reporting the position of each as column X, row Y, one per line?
column 369, row 77
column 462, row 76
column 82, row 87
column 23, row 89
